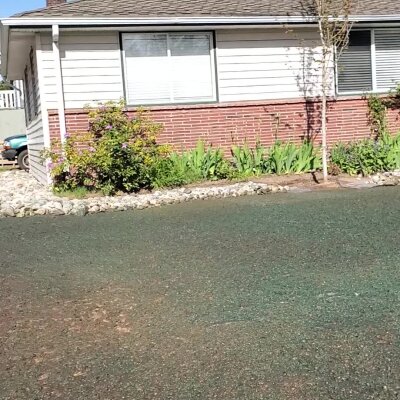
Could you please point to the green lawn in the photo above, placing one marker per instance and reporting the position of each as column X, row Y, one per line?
column 291, row 296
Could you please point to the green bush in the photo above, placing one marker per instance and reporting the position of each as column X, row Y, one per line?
column 117, row 154
column 367, row 156
column 169, row 172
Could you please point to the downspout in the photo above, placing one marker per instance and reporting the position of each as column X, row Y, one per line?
column 59, row 82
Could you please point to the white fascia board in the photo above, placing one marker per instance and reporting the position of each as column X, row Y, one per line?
column 65, row 21
column 21, row 21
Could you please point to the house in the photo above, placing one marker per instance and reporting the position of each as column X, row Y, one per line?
column 12, row 115
column 222, row 70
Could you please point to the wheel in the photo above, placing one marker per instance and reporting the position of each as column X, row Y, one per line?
column 23, row 160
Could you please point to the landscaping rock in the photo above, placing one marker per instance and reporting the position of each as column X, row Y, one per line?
column 8, row 211
column 21, row 195
column 386, row 179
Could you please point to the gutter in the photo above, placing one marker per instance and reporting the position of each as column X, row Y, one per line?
column 68, row 21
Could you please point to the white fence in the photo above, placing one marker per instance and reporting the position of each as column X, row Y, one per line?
column 10, row 99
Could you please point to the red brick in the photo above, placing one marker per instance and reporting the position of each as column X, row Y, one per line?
column 225, row 124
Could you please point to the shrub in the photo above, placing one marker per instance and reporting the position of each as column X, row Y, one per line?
column 117, row 154
column 368, row 156
column 169, row 172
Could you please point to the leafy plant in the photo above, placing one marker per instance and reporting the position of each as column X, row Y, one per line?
column 368, row 156
column 377, row 113
column 285, row 158
column 392, row 148
column 204, row 162
column 170, row 172
column 248, row 161
column 120, row 153
column 378, row 107
column 201, row 163
column 117, row 154
column 307, row 159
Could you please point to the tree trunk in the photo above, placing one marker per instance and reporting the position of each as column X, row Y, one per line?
column 324, row 137
column 324, row 109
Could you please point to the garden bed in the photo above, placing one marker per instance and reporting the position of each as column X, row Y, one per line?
column 22, row 196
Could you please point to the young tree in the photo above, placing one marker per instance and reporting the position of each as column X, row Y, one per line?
column 334, row 25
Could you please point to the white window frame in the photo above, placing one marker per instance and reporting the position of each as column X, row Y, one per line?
column 210, row 34
column 373, row 66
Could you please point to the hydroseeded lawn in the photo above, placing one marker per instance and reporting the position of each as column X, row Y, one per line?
column 289, row 296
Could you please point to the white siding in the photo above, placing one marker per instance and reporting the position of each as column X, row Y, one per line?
column 257, row 64
column 91, row 68
column 36, row 146
column 34, row 130
column 264, row 64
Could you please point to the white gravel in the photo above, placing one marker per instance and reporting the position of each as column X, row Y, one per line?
column 21, row 196
column 386, row 178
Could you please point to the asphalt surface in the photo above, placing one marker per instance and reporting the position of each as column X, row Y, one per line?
column 289, row 296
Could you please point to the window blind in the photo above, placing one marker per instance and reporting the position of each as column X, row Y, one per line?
column 355, row 64
column 168, row 68
column 387, row 45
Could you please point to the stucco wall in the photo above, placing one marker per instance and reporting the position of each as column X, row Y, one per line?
column 12, row 122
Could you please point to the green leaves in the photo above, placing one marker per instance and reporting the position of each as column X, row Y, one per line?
column 201, row 163
column 117, row 154
column 120, row 154
column 204, row 162
column 287, row 158
column 368, row 156
column 282, row 158
column 249, row 161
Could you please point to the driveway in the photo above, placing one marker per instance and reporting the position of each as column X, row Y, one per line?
column 292, row 296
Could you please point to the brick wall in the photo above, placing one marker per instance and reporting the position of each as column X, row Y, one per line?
column 224, row 124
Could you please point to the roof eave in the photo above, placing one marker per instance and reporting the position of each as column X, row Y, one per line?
column 95, row 21
column 71, row 21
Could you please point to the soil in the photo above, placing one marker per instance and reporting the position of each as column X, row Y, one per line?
column 289, row 296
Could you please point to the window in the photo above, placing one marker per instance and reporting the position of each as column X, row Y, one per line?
column 355, row 64
column 371, row 62
column 387, row 56
column 166, row 68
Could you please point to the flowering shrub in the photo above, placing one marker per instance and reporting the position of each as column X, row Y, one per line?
column 117, row 154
